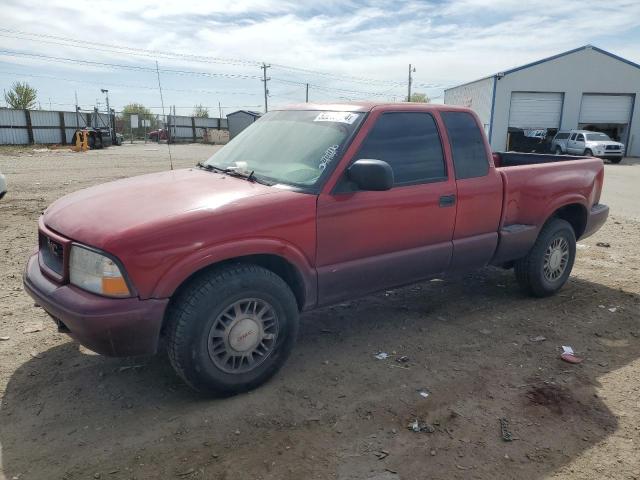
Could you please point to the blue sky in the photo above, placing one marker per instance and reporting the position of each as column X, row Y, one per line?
column 345, row 50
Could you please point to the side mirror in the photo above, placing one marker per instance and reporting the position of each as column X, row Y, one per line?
column 373, row 175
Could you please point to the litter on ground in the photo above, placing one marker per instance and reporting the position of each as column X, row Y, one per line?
column 504, row 430
column 417, row 426
column 568, row 355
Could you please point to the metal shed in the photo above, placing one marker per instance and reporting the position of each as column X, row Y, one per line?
column 586, row 88
column 238, row 121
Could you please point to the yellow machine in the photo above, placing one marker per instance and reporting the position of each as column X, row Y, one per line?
column 82, row 141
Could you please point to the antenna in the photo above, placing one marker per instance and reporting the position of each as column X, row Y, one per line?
column 162, row 104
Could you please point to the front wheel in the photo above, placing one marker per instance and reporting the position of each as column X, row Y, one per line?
column 558, row 151
column 548, row 265
column 232, row 329
column 616, row 160
column 588, row 153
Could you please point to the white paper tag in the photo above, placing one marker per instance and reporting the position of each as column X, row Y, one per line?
column 339, row 117
column 567, row 349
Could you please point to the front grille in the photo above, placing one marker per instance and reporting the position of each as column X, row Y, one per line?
column 52, row 254
column 613, row 147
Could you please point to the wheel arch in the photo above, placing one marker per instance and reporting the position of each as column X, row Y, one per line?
column 282, row 259
column 575, row 214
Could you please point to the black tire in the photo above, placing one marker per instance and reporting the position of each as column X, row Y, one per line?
column 615, row 160
column 202, row 305
column 530, row 270
column 558, row 151
column 588, row 153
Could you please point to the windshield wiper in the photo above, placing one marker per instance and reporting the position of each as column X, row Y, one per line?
column 233, row 172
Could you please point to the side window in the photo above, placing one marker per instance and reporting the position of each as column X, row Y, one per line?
column 410, row 143
column 573, row 136
column 580, row 138
column 467, row 145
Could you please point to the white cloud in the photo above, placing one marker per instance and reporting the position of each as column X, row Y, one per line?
column 449, row 42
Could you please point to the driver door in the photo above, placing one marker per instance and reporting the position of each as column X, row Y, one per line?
column 372, row 240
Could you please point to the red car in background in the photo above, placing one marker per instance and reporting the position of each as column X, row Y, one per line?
column 153, row 134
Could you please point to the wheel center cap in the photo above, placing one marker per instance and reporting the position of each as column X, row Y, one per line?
column 244, row 335
column 554, row 260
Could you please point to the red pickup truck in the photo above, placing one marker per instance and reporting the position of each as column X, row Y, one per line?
column 311, row 205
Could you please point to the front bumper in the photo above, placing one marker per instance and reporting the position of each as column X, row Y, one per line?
column 116, row 327
column 597, row 216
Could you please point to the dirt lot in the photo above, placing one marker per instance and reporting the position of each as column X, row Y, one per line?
column 335, row 411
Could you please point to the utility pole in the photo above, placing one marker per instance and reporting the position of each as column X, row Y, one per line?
column 410, row 81
column 265, row 79
column 220, row 113
column 112, row 132
column 307, row 96
column 77, row 112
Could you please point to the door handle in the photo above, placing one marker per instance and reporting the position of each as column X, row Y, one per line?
column 447, row 201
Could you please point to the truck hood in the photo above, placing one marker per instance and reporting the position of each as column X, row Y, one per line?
column 112, row 210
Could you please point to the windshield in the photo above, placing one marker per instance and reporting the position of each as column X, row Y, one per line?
column 293, row 147
column 595, row 137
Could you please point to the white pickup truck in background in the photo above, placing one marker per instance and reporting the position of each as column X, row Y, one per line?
column 585, row 142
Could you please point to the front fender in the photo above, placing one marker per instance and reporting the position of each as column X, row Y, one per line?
column 181, row 271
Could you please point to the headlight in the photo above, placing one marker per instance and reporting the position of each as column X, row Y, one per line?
column 96, row 273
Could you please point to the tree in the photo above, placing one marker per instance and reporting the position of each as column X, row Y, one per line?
column 200, row 111
column 21, row 96
column 143, row 114
column 420, row 98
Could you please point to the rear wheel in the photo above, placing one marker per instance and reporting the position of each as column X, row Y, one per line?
column 548, row 265
column 232, row 329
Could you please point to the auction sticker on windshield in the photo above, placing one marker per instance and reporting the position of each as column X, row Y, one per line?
column 340, row 117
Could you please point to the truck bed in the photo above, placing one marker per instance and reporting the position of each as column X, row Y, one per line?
column 537, row 185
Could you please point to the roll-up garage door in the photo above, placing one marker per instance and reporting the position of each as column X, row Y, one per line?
column 605, row 108
column 530, row 110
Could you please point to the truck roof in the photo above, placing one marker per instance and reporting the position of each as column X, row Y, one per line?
column 368, row 106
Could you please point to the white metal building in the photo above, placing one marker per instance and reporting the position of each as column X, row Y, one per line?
column 583, row 88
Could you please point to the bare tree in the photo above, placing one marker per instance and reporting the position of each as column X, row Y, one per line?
column 200, row 111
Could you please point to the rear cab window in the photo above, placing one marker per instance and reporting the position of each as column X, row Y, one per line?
column 467, row 145
column 410, row 143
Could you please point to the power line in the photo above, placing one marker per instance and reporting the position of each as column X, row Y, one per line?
column 187, row 72
column 111, row 48
column 110, row 84
column 129, row 67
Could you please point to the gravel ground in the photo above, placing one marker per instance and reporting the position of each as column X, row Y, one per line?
column 335, row 411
